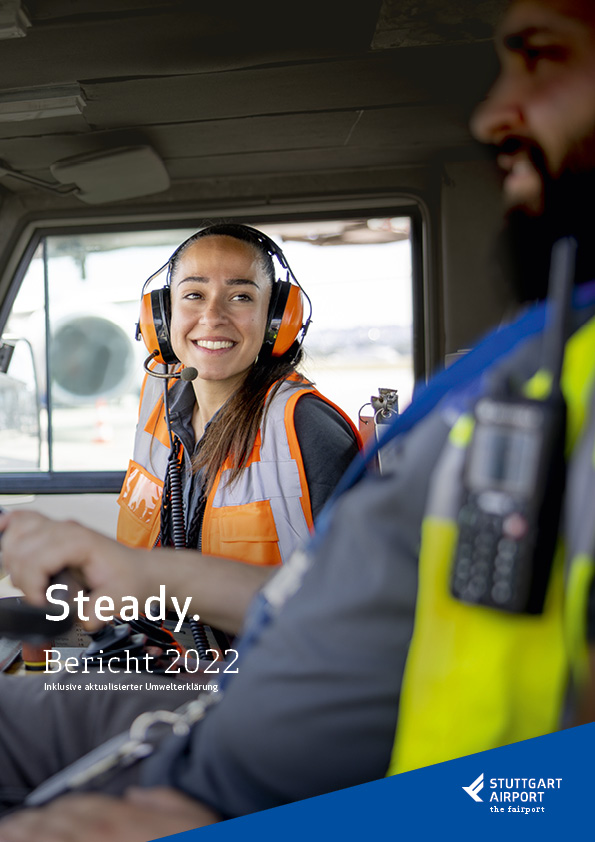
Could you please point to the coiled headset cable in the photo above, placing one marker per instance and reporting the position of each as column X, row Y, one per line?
column 177, row 520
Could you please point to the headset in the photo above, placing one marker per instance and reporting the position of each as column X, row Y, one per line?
column 285, row 327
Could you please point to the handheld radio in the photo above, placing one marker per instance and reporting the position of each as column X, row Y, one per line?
column 513, row 477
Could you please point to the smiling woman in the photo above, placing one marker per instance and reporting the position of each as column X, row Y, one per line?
column 239, row 459
column 220, row 293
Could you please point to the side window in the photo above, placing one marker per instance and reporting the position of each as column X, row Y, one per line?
column 358, row 274
column 69, row 396
column 76, row 311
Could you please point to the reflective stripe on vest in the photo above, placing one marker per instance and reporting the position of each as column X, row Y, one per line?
column 266, row 513
column 151, row 443
column 140, row 497
column 477, row 678
column 277, row 477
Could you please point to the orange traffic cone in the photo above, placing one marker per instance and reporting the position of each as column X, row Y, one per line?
column 103, row 430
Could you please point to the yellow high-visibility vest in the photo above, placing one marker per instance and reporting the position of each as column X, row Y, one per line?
column 477, row 678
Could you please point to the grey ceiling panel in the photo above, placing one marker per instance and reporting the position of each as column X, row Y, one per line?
column 33, row 153
column 295, row 161
column 184, row 36
column 295, row 88
column 435, row 127
column 42, row 129
column 247, row 134
column 236, row 89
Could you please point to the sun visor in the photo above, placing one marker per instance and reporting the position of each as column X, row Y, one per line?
column 111, row 175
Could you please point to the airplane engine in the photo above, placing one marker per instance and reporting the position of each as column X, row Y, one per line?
column 92, row 357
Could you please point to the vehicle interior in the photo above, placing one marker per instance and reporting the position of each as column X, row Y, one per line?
column 340, row 131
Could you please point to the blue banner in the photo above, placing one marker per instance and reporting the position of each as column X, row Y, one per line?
column 541, row 788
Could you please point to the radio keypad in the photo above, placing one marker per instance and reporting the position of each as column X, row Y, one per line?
column 486, row 560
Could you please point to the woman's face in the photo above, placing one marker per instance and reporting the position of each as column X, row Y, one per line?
column 220, row 297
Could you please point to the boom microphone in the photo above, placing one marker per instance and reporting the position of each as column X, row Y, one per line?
column 189, row 373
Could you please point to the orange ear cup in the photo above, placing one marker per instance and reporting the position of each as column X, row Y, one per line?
column 153, row 325
column 291, row 321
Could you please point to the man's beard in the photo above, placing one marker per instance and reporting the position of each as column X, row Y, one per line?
column 524, row 246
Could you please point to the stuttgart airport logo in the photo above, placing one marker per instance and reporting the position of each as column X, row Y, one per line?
column 474, row 788
column 514, row 795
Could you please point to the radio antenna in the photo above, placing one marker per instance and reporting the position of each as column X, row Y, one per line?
column 561, row 280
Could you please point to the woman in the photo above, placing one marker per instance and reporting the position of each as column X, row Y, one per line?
column 251, row 448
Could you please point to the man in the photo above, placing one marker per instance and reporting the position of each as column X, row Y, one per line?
column 323, row 685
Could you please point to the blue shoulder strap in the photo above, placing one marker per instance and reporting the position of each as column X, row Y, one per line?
column 495, row 346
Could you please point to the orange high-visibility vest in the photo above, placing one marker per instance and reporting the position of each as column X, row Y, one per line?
column 261, row 518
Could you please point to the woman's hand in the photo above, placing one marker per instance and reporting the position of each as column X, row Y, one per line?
column 141, row 815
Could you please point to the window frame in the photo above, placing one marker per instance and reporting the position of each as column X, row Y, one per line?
column 109, row 482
